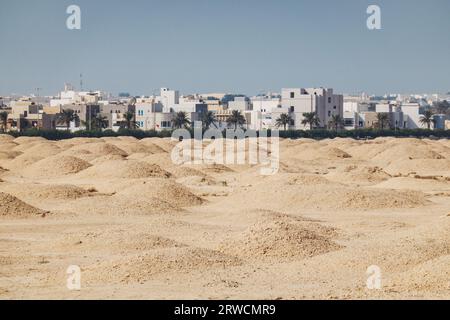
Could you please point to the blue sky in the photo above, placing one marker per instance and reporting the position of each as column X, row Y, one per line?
column 241, row 46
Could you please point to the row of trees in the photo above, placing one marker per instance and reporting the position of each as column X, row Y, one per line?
column 98, row 122
column 208, row 119
column 336, row 122
column 234, row 120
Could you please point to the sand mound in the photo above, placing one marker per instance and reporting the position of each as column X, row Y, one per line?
column 307, row 179
column 281, row 196
column 106, row 158
column 197, row 181
column 183, row 172
column 312, row 151
column 159, row 145
column 8, row 155
column 56, row 166
column 114, row 241
column 368, row 199
column 25, row 140
column 422, row 166
column 12, row 207
column 125, row 205
column 404, row 151
column 5, row 137
column 7, row 145
column 282, row 237
column 59, row 192
column 131, row 147
column 22, row 161
column 97, row 149
column 45, row 149
column 360, row 174
column 332, row 153
column 146, row 266
column 125, row 169
column 216, row 168
column 164, row 190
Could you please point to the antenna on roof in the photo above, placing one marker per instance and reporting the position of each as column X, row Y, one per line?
column 81, row 82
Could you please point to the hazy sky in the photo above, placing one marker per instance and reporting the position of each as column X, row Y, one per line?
column 241, row 46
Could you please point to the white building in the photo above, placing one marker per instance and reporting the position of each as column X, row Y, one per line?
column 323, row 102
column 240, row 104
column 70, row 96
column 262, row 108
column 411, row 116
column 169, row 98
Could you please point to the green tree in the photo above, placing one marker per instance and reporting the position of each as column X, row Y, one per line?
column 382, row 120
column 336, row 122
column 97, row 123
column 66, row 117
column 441, row 107
column 311, row 119
column 180, row 120
column 3, row 120
column 284, row 120
column 427, row 118
column 130, row 120
column 236, row 119
column 208, row 119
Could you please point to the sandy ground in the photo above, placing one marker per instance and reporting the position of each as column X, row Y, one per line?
column 140, row 227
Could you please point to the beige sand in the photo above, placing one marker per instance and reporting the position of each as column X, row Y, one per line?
column 140, row 227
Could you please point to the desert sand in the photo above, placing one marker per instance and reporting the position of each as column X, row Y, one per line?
column 140, row 227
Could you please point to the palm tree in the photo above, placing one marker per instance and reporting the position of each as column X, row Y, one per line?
column 130, row 122
column 311, row 119
column 208, row 119
column 336, row 122
column 101, row 122
column 132, row 101
column 67, row 116
column 236, row 119
column 3, row 120
column 98, row 123
column 180, row 120
column 427, row 118
column 383, row 120
column 284, row 120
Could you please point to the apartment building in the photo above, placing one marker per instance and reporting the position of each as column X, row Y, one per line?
column 70, row 96
column 411, row 115
column 114, row 113
column 322, row 101
column 85, row 113
column 240, row 104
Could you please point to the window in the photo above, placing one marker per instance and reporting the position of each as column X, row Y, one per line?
column 329, row 99
column 292, row 95
column 292, row 122
column 348, row 122
column 334, row 107
column 292, row 109
column 329, row 113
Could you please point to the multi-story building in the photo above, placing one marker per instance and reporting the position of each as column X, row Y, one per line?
column 70, row 96
column 115, row 113
column 240, row 104
column 411, row 115
column 297, row 101
column 169, row 98
column 85, row 113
